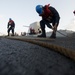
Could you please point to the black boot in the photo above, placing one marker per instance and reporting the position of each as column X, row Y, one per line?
column 12, row 34
column 43, row 34
column 53, row 35
column 8, row 34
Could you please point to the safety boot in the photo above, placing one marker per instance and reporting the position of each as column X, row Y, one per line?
column 43, row 34
column 8, row 34
column 53, row 35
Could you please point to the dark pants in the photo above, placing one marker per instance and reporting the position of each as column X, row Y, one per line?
column 46, row 22
column 43, row 23
column 12, row 29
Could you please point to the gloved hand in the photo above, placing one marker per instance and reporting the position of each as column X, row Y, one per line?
column 54, row 28
column 12, row 27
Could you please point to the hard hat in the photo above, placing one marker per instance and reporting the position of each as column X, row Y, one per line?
column 39, row 9
column 10, row 19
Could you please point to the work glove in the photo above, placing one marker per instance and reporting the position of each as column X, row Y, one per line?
column 54, row 28
column 12, row 27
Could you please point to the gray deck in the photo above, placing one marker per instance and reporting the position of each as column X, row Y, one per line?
column 23, row 58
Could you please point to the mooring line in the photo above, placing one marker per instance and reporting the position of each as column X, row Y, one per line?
column 67, row 52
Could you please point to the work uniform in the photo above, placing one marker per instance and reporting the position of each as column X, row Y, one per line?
column 11, row 26
column 49, row 17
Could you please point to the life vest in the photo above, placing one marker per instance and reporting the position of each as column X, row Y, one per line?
column 10, row 22
column 47, row 11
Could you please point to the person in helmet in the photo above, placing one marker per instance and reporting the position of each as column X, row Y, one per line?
column 50, row 17
column 74, row 12
column 11, row 26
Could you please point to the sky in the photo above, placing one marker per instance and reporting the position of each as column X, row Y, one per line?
column 23, row 13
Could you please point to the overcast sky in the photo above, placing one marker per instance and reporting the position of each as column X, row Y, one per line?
column 23, row 13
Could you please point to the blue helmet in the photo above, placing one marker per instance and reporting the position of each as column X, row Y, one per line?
column 10, row 19
column 39, row 9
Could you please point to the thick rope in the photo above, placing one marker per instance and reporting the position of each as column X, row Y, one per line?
column 67, row 52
